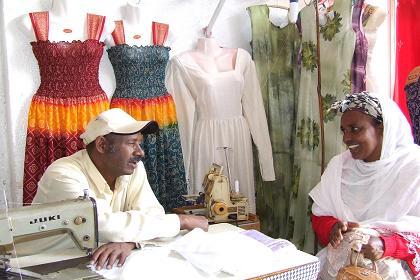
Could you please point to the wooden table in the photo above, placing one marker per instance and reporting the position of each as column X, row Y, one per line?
column 253, row 221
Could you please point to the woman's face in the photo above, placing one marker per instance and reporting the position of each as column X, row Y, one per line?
column 362, row 136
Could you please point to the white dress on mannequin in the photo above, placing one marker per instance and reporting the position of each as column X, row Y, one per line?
column 219, row 104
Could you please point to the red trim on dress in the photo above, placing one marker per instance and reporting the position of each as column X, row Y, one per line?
column 159, row 32
column 118, row 34
column 40, row 25
column 95, row 26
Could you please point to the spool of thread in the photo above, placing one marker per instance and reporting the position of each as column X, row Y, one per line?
column 236, row 186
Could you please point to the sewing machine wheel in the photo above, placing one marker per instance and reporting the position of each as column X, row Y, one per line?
column 220, row 208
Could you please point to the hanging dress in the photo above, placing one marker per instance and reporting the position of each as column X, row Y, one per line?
column 275, row 52
column 412, row 91
column 141, row 92
column 68, row 97
column 337, row 41
column 407, row 54
column 358, row 66
column 218, row 110
column 372, row 18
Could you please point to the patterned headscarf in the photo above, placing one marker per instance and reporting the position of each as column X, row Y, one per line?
column 362, row 102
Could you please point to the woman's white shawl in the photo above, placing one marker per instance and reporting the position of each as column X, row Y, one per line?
column 384, row 194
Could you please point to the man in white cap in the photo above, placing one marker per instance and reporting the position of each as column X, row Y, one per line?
column 110, row 168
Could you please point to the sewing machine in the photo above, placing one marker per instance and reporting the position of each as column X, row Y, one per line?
column 221, row 204
column 71, row 222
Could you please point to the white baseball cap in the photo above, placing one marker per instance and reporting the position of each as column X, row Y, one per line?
column 116, row 121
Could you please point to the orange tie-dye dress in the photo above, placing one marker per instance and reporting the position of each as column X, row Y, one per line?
column 68, row 97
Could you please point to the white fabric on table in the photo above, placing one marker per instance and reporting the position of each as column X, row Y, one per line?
column 229, row 252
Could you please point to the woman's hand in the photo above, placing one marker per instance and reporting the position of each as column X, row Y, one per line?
column 374, row 250
column 336, row 234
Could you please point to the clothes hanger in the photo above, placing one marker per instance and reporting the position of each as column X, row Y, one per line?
column 293, row 9
column 278, row 14
column 277, row 5
column 307, row 4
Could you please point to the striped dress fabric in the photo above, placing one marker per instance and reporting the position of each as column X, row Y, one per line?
column 358, row 65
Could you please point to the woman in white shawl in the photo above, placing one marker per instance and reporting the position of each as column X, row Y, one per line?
column 373, row 187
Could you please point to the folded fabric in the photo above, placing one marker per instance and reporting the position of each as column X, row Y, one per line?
column 230, row 252
column 152, row 263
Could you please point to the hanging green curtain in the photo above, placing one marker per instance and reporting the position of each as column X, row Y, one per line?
column 337, row 41
column 275, row 52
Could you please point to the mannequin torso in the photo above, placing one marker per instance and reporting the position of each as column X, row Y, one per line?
column 137, row 25
column 68, row 22
column 212, row 58
column 136, row 33
column 137, row 29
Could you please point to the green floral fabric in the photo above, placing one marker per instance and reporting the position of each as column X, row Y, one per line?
column 337, row 47
column 275, row 51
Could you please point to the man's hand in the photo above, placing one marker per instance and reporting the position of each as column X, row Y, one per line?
column 191, row 222
column 109, row 253
column 374, row 250
column 336, row 234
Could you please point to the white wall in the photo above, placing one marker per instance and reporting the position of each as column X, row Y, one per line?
column 19, row 75
column 5, row 172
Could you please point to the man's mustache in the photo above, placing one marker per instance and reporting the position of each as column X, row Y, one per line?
column 135, row 159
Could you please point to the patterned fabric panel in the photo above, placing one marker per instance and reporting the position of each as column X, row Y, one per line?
column 68, row 69
column 275, row 52
column 54, row 127
column 43, row 148
column 413, row 103
column 163, row 155
column 337, row 41
column 165, row 167
column 139, row 71
column 160, row 109
column 68, row 115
